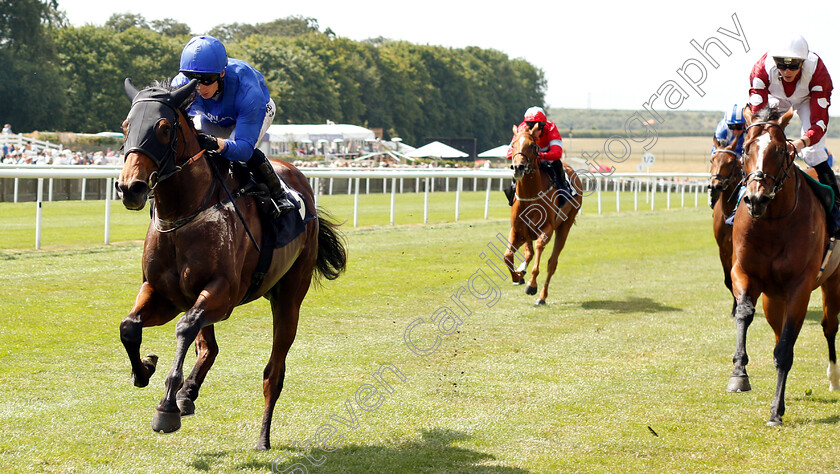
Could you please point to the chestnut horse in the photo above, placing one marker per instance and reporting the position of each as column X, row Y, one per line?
column 535, row 214
column 200, row 252
column 779, row 240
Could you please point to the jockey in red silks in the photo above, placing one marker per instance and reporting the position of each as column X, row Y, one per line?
column 549, row 144
column 793, row 76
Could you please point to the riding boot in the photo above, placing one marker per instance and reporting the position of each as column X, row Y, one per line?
column 510, row 192
column 826, row 176
column 262, row 169
column 560, row 181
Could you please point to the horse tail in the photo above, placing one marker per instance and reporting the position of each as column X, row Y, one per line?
column 332, row 254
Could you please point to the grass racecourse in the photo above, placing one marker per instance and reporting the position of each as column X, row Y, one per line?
column 623, row 371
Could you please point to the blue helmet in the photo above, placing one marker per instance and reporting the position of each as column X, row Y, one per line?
column 735, row 116
column 204, row 54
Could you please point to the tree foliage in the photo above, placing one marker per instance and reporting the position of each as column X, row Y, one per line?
column 407, row 90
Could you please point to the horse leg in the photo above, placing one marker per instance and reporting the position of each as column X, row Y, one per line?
column 149, row 310
column 528, row 253
column 559, row 243
column 211, row 307
column 514, row 242
column 286, row 299
column 206, row 351
column 786, row 334
column 744, row 312
column 831, row 306
column 542, row 240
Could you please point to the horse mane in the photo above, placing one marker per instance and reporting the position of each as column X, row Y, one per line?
column 769, row 114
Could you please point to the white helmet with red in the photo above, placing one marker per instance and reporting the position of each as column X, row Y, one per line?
column 790, row 49
column 535, row 114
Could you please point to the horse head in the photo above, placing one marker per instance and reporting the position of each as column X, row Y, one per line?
column 151, row 140
column 767, row 158
column 525, row 157
column 726, row 169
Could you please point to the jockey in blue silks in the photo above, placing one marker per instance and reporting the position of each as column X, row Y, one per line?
column 232, row 110
column 731, row 127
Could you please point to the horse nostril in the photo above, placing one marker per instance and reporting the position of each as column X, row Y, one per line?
column 138, row 187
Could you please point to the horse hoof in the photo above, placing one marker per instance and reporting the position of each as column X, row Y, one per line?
column 738, row 383
column 519, row 283
column 540, row 302
column 166, row 422
column 149, row 365
column 186, row 406
column 531, row 290
column 774, row 421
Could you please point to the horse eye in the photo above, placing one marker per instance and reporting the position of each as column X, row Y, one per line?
column 162, row 131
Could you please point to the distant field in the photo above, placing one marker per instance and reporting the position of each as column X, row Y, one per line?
column 673, row 154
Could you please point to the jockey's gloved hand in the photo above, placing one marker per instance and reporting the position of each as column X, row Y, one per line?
column 208, row 142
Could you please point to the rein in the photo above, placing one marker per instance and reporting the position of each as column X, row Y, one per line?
column 760, row 175
column 726, row 180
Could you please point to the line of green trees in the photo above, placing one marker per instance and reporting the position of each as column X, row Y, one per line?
column 59, row 77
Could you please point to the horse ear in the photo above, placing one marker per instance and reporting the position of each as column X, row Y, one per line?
column 535, row 128
column 130, row 90
column 786, row 118
column 181, row 94
column 515, row 129
column 748, row 115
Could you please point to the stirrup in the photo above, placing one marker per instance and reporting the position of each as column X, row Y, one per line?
column 282, row 205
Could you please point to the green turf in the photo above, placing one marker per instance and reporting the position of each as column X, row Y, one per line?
column 635, row 340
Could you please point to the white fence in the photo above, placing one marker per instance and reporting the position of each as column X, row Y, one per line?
column 20, row 141
column 327, row 180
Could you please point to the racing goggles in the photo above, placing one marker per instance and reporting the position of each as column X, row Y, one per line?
column 788, row 63
column 203, row 78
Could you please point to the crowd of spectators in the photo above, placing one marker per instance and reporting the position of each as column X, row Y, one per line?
column 32, row 154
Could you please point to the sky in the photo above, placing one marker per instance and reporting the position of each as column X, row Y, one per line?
column 594, row 54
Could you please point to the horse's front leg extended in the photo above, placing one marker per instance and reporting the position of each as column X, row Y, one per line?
column 541, row 242
column 206, row 351
column 744, row 312
column 211, row 307
column 514, row 242
column 149, row 310
column 787, row 330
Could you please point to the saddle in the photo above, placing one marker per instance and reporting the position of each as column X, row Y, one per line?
column 277, row 232
column 560, row 183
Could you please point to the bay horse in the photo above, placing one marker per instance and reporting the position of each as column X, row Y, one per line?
column 724, row 182
column 535, row 215
column 779, row 240
column 200, row 253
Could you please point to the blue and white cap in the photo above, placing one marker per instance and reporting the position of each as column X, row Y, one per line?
column 735, row 115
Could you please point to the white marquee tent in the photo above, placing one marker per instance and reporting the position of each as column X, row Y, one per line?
column 497, row 152
column 437, row 150
column 324, row 138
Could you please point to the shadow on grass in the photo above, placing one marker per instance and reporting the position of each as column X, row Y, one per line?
column 432, row 453
column 814, row 315
column 629, row 305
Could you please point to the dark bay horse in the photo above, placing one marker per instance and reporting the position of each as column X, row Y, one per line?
column 779, row 241
column 200, row 252
column 535, row 214
column 726, row 176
